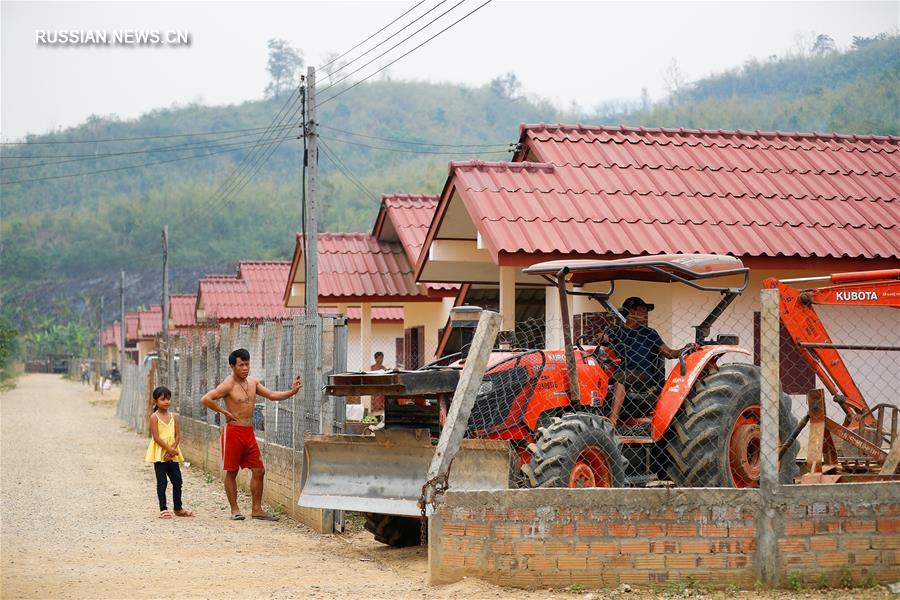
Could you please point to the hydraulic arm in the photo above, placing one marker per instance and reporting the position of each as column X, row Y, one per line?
column 798, row 314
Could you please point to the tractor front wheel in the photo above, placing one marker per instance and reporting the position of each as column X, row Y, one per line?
column 576, row 450
column 715, row 438
column 394, row 530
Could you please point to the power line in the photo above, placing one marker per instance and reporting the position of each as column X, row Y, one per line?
column 345, row 170
column 158, row 162
column 411, row 151
column 347, row 89
column 387, row 39
column 416, row 143
column 131, row 139
column 238, row 178
column 413, row 34
column 236, row 173
column 179, row 148
column 334, row 60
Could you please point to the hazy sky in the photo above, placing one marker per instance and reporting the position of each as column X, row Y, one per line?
column 582, row 51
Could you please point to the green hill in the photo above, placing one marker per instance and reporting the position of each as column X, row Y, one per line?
column 65, row 239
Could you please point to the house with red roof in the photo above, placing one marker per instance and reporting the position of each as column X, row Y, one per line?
column 110, row 339
column 371, row 274
column 787, row 204
column 182, row 313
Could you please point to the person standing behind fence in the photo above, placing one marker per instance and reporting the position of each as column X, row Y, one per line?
column 164, row 453
column 239, row 447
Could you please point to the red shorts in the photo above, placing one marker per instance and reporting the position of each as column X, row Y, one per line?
column 239, row 448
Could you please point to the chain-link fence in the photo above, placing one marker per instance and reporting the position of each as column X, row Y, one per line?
column 691, row 391
column 194, row 364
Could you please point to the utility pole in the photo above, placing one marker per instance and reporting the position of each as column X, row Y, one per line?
column 122, row 323
column 164, row 358
column 311, row 346
column 99, row 384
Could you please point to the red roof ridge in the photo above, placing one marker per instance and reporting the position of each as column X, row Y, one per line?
column 265, row 262
column 503, row 166
column 420, row 197
column 755, row 133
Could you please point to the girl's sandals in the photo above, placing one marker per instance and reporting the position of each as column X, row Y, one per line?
column 165, row 514
column 184, row 513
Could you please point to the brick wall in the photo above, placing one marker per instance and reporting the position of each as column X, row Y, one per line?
column 200, row 445
column 650, row 537
column 830, row 531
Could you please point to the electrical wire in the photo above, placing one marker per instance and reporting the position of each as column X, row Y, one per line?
column 407, row 53
column 158, row 162
column 413, row 34
column 131, row 139
column 511, row 148
column 389, row 38
column 179, row 148
column 345, row 170
column 262, row 144
column 224, row 194
column 416, row 143
column 334, row 60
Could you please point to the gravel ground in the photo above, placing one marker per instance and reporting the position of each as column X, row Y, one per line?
column 78, row 519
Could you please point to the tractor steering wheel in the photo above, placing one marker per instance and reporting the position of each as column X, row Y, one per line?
column 682, row 365
column 584, row 337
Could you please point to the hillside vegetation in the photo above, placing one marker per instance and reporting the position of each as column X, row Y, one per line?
column 66, row 239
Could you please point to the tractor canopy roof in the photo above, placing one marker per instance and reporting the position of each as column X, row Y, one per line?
column 661, row 268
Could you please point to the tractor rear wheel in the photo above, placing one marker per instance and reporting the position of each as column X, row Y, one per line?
column 576, row 450
column 394, row 530
column 715, row 438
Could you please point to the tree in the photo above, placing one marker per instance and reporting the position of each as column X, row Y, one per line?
column 284, row 66
column 506, row 86
column 823, row 45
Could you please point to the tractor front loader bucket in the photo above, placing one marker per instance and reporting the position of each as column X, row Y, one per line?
column 385, row 473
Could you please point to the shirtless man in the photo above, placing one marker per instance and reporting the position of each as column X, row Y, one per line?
column 239, row 447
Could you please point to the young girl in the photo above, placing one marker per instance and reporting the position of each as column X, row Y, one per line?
column 164, row 452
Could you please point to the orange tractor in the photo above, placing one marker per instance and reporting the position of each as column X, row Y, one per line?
column 700, row 426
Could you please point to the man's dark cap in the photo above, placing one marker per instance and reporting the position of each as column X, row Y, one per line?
column 634, row 302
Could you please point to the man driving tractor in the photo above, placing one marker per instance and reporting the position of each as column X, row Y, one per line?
column 642, row 369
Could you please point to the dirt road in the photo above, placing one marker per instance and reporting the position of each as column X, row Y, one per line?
column 79, row 520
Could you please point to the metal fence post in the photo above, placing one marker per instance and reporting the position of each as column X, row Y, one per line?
column 324, row 363
column 769, row 399
column 270, row 358
column 225, row 347
column 182, row 374
column 339, row 365
column 197, row 410
column 212, row 357
column 305, row 405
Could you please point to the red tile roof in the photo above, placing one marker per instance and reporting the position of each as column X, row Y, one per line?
column 182, row 310
column 131, row 326
column 150, row 321
column 253, row 294
column 411, row 216
column 111, row 335
column 619, row 190
column 356, row 267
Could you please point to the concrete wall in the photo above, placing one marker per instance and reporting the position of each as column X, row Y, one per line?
column 201, row 446
column 648, row 537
